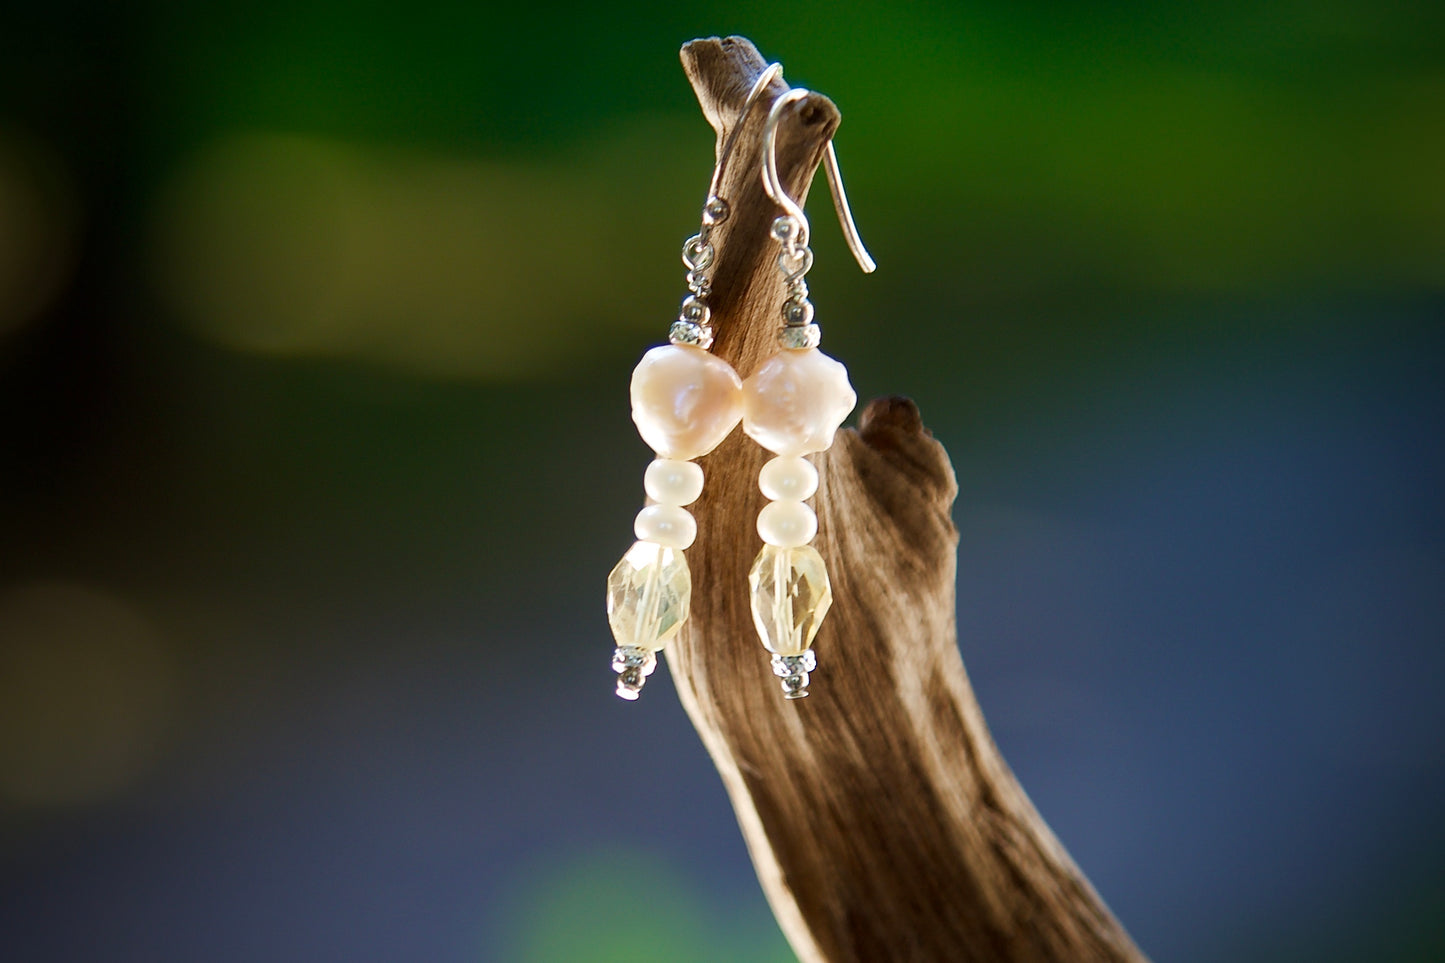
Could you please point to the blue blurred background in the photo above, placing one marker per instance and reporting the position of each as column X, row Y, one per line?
column 315, row 325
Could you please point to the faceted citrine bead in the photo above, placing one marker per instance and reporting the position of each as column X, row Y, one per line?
column 790, row 595
column 648, row 595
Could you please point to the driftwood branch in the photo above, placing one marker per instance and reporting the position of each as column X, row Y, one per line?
column 883, row 822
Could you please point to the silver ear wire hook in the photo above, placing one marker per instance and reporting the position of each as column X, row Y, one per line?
column 693, row 321
column 774, row 185
column 715, row 210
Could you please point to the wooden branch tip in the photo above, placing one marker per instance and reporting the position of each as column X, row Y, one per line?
column 883, row 823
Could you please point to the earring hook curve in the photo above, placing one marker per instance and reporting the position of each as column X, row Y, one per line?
column 715, row 209
column 773, row 184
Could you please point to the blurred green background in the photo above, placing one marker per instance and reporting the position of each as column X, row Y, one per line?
column 316, row 321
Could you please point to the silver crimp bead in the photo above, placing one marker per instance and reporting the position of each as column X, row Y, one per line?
column 793, row 671
column 633, row 664
column 800, row 336
column 692, row 333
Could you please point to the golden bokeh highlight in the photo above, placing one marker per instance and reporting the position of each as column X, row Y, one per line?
column 298, row 245
column 86, row 694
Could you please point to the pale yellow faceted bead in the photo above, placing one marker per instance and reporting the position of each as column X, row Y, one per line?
column 790, row 596
column 788, row 478
column 684, row 400
column 666, row 525
column 795, row 401
column 787, row 524
column 649, row 594
column 671, row 482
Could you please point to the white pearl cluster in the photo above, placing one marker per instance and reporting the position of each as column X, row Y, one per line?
column 785, row 521
column 792, row 406
column 672, row 484
column 685, row 402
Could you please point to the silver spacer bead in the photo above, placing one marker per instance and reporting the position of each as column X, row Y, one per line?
column 715, row 211
column 806, row 661
column 787, row 229
column 690, row 332
column 798, row 311
column 694, row 309
column 700, row 285
column 800, row 336
column 633, row 664
column 793, row 671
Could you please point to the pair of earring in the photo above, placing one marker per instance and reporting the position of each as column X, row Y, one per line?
column 685, row 401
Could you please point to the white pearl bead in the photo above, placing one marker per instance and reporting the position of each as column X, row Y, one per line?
column 672, row 482
column 788, row 478
column 684, row 400
column 665, row 525
column 795, row 401
column 787, row 524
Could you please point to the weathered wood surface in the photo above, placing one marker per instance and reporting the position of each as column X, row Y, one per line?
column 883, row 822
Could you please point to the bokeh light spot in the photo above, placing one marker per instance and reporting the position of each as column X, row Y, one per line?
column 303, row 246
column 620, row 906
column 85, row 693
column 38, row 216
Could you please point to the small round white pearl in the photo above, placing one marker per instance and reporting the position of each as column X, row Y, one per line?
column 672, row 482
column 665, row 525
column 788, row 478
column 787, row 524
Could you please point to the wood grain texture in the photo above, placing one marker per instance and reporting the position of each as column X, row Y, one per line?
column 882, row 820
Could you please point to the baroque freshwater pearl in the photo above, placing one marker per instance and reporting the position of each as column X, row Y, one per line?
column 684, row 401
column 795, row 401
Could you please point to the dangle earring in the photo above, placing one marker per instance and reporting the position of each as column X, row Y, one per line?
column 685, row 401
column 792, row 406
